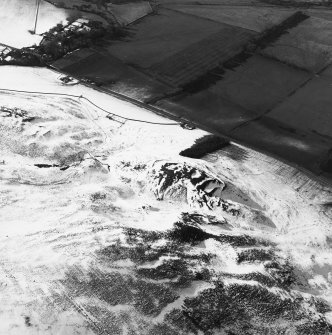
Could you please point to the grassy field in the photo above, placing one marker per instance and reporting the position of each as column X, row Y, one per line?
column 150, row 44
column 208, row 108
column 196, row 59
column 130, row 12
column 320, row 13
column 259, row 84
column 308, row 150
column 253, row 18
column 209, row 2
column 109, row 72
column 309, row 108
column 308, row 46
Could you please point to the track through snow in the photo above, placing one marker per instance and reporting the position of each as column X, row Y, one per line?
column 87, row 248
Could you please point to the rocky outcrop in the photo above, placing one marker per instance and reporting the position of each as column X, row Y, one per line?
column 182, row 181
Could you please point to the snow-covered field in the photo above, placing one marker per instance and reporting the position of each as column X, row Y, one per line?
column 105, row 229
column 18, row 21
column 18, row 17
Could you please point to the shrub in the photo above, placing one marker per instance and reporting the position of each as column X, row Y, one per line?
column 205, row 145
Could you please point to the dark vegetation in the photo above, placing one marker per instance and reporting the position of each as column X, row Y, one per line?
column 265, row 280
column 60, row 40
column 27, row 321
column 283, row 272
column 141, row 246
column 273, row 34
column 190, row 233
column 179, row 268
column 204, row 81
column 244, row 309
column 234, row 308
column 115, row 289
column 46, row 165
column 187, row 230
column 205, row 145
column 241, row 240
column 181, row 273
column 253, row 255
column 170, row 269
